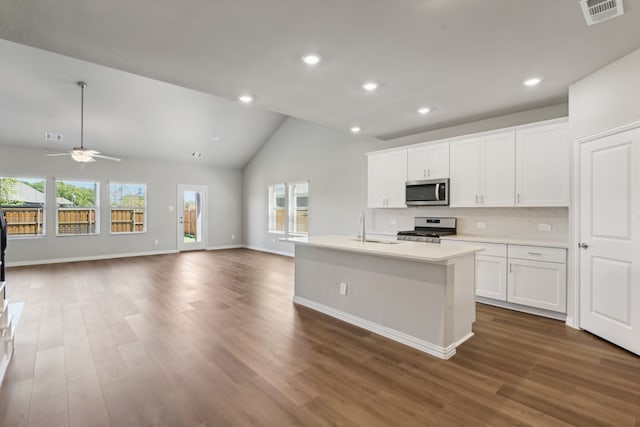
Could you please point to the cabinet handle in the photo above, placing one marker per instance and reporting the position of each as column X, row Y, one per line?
column 429, row 172
column 518, row 197
column 510, row 268
column 482, row 199
column 535, row 253
column 424, row 173
column 476, row 199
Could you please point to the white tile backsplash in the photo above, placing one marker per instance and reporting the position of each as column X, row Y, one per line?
column 522, row 223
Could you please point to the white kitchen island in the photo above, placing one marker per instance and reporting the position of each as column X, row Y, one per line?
column 419, row 294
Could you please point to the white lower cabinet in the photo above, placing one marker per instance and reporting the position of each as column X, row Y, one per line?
column 538, row 284
column 529, row 276
column 491, row 277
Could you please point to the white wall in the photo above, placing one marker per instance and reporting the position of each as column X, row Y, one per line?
column 162, row 178
column 332, row 160
column 607, row 98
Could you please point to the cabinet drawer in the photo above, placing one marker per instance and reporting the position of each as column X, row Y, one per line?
column 490, row 249
column 538, row 253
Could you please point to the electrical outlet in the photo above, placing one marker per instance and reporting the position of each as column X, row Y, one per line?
column 170, row 208
column 544, row 227
column 343, row 288
column 481, row 225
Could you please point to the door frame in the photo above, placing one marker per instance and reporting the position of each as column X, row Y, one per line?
column 180, row 223
column 574, row 254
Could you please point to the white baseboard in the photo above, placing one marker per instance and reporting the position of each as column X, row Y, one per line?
column 522, row 308
column 392, row 334
column 89, row 258
column 272, row 251
column 222, row 247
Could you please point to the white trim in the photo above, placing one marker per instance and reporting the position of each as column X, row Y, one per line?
column 608, row 132
column 222, row 247
column 273, row 251
column 522, row 308
column 474, row 135
column 89, row 258
column 392, row 334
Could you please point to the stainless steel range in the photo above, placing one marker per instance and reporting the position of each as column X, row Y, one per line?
column 429, row 229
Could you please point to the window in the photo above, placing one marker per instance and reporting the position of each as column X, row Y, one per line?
column 299, row 208
column 77, row 208
column 289, row 208
column 277, row 211
column 23, row 202
column 128, row 208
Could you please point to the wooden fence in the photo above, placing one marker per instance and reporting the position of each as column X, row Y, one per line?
column 189, row 218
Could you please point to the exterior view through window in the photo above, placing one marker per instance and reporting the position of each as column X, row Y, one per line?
column 77, row 207
column 289, row 208
column 128, row 208
column 299, row 208
column 23, row 202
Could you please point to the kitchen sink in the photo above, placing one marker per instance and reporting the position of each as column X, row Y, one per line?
column 383, row 242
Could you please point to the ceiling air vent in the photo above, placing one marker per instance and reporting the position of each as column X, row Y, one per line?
column 596, row 11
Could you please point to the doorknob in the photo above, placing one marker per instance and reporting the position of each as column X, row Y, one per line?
column 583, row 245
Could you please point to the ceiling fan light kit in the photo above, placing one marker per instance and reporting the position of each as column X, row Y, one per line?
column 81, row 154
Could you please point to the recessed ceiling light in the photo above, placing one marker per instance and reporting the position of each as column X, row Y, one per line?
column 534, row 81
column 311, row 59
column 423, row 110
column 196, row 154
column 370, row 86
column 355, row 129
column 247, row 99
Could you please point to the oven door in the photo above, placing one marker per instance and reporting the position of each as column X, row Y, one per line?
column 427, row 193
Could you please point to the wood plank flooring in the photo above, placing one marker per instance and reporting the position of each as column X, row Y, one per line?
column 213, row 339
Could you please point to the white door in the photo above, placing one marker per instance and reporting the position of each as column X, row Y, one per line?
column 542, row 175
column 465, row 173
column 192, row 217
column 437, row 158
column 538, row 284
column 417, row 163
column 376, row 182
column 491, row 277
column 396, row 179
column 610, row 238
column 498, row 175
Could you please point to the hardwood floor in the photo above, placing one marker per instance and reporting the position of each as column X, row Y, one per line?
column 212, row 338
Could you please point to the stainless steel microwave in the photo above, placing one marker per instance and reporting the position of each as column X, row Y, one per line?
column 431, row 192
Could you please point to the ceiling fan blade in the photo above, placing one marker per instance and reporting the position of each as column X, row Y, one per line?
column 92, row 152
column 100, row 156
column 58, row 154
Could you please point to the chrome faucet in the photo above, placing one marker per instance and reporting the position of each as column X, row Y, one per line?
column 362, row 234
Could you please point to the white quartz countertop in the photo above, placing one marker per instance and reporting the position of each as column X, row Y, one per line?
column 415, row 251
column 508, row 241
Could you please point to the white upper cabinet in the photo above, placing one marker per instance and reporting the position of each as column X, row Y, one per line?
column 387, row 175
column 428, row 162
column 543, row 166
column 483, row 171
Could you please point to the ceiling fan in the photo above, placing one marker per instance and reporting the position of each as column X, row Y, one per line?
column 81, row 154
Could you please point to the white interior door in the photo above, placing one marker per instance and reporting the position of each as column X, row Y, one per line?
column 609, row 238
column 192, row 217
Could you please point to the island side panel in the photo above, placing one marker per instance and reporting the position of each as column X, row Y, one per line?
column 461, row 306
column 403, row 295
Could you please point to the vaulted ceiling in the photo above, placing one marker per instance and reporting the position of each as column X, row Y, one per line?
column 464, row 60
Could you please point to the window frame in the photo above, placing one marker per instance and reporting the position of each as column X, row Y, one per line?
column 289, row 207
column 43, row 209
column 292, row 209
column 144, row 213
column 271, row 216
column 95, row 207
